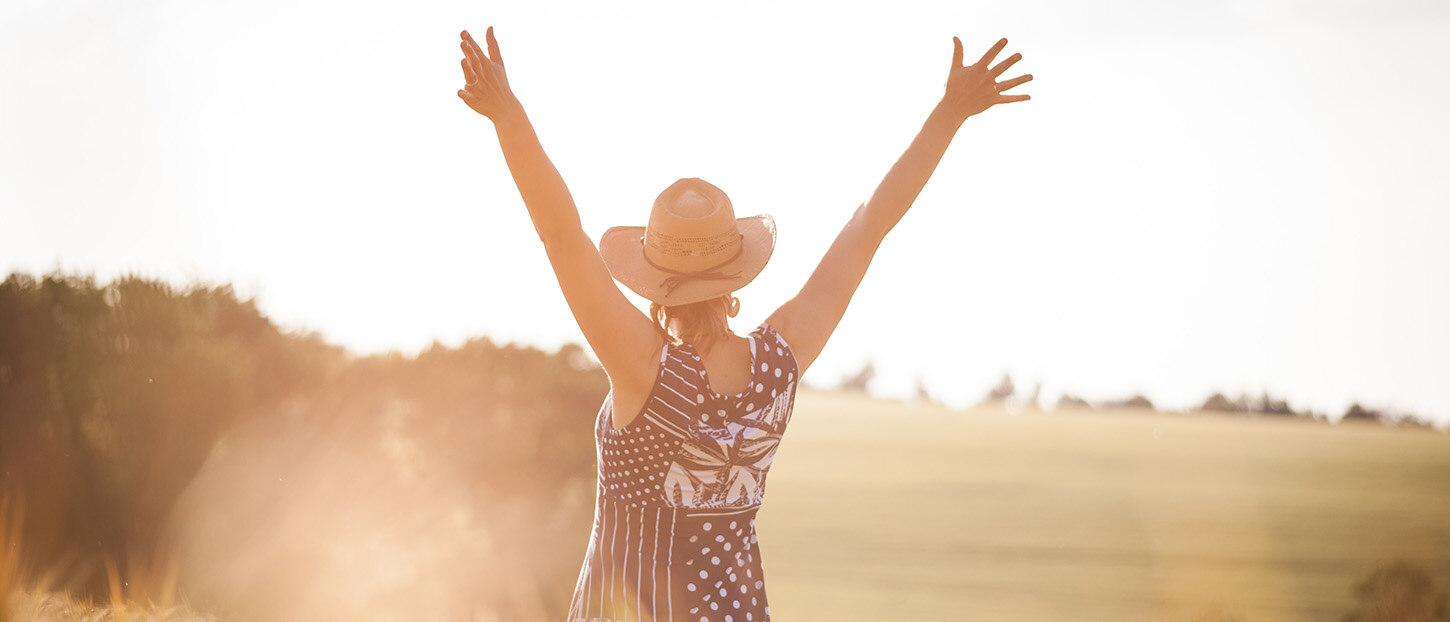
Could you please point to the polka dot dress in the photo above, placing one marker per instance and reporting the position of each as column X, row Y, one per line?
column 679, row 487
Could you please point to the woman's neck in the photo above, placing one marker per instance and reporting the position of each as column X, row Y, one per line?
column 706, row 341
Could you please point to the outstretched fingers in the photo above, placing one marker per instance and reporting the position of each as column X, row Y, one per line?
column 992, row 53
column 493, row 52
column 1002, row 86
column 1004, row 65
column 493, row 55
column 956, row 52
column 472, row 53
column 470, row 76
column 468, row 38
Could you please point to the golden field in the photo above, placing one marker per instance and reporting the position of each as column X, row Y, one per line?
column 172, row 454
column 879, row 510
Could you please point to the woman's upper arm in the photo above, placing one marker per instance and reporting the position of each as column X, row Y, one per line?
column 807, row 320
column 625, row 341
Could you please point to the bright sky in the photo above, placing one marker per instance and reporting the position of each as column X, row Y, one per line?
column 1207, row 196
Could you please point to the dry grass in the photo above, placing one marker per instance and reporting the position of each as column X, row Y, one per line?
column 885, row 511
column 36, row 600
column 52, row 607
column 879, row 510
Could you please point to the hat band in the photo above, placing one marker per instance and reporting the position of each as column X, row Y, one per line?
column 665, row 244
column 711, row 273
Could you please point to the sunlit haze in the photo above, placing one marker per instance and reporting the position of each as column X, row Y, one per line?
column 1201, row 197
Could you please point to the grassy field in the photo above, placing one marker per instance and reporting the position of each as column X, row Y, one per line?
column 883, row 511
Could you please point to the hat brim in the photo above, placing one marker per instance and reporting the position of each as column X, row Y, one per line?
column 623, row 251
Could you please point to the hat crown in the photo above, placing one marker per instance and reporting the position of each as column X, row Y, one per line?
column 691, row 227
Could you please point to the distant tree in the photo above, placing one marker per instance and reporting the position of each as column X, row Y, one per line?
column 1137, row 401
column 1271, row 406
column 1072, row 402
column 1360, row 413
column 1004, row 390
column 1218, row 403
column 1034, row 400
column 1414, row 421
column 1399, row 592
column 922, row 393
column 1264, row 404
column 861, row 380
column 577, row 358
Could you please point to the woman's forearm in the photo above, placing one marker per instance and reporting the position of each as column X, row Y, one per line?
column 899, row 189
column 488, row 93
column 547, row 198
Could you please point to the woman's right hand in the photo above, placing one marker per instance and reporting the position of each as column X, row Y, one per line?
column 972, row 89
column 487, row 89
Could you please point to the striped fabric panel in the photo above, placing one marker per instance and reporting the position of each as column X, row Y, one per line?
column 633, row 582
column 675, row 396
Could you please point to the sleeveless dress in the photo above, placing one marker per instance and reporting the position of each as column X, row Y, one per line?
column 679, row 487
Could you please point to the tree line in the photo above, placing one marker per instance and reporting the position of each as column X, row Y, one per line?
column 1006, row 393
column 114, row 396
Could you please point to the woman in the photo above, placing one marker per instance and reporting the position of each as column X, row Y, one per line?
column 694, row 412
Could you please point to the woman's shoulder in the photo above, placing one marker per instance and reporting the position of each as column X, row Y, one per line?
column 775, row 344
column 771, row 335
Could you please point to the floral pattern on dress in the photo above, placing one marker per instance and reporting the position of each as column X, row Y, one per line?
column 727, row 465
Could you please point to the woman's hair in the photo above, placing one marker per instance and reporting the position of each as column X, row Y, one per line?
column 698, row 323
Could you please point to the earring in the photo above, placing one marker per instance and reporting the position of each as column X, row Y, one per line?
column 734, row 306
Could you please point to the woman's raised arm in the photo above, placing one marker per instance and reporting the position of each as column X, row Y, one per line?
column 808, row 319
column 623, row 339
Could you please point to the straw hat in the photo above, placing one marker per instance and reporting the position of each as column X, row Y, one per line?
column 693, row 249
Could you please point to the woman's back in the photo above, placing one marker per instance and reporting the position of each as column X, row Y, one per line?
column 679, row 487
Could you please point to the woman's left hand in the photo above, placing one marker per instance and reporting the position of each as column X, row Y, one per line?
column 972, row 89
column 486, row 85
